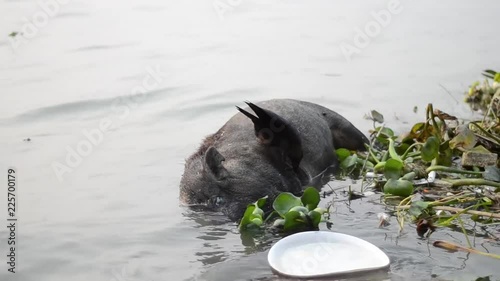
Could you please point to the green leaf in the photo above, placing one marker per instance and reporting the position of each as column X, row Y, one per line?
column 472, row 88
column 497, row 77
column 492, row 75
column 377, row 116
column 249, row 215
column 315, row 218
column 393, row 169
column 294, row 220
column 465, row 140
column 401, row 148
column 258, row 212
column 369, row 165
column 379, row 166
column 349, row 162
column 392, row 151
column 342, row 154
column 253, row 214
column 310, row 198
column 284, row 202
column 445, row 154
column 409, row 176
column 401, row 188
column 417, row 208
column 386, row 132
column 430, row 150
column 261, row 202
column 257, row 221
column 299, row 209
column 487, row 201
column 417, row 128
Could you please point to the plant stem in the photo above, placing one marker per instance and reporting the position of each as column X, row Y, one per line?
column 454, row 247
column 452, row 197
column 461, row 182
column 392, row 151
column 453, row 201
column 400, row 216
column 413, row 154
column 464, row 232
column 409, row 148
column 451, row 170
column 459, row 210
column 431, row 115
column 497, row 140
column 373, row 154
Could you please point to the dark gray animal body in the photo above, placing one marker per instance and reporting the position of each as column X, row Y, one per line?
column 284, row 145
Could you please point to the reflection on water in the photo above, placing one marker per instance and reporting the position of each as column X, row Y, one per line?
column 412, row 258
column 214, row 227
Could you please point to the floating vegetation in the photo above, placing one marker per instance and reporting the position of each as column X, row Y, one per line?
column 291, row 213
column 486, row 98
column 443, row 172
column 481, row 95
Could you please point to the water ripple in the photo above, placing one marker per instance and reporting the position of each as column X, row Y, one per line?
column 104, row 47
column 77, row 108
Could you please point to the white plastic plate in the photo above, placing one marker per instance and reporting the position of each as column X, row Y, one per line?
column 324, row 253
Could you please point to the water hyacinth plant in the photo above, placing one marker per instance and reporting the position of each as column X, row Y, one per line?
column 442, row 169
column 443, row 172
column 291, row 213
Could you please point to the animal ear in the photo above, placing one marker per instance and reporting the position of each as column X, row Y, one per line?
column 213, row 163
column 345, row 135
column 275, row 131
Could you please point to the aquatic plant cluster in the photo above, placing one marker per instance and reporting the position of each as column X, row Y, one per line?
column 443, row 172
column 291, row 213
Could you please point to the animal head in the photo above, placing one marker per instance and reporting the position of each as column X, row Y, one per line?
column 248, row 171
column 226, row 174
column 228, row 186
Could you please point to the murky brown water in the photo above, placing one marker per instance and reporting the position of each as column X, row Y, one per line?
column 114, row 214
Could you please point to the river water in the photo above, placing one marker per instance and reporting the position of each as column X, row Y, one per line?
column 114, row 95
